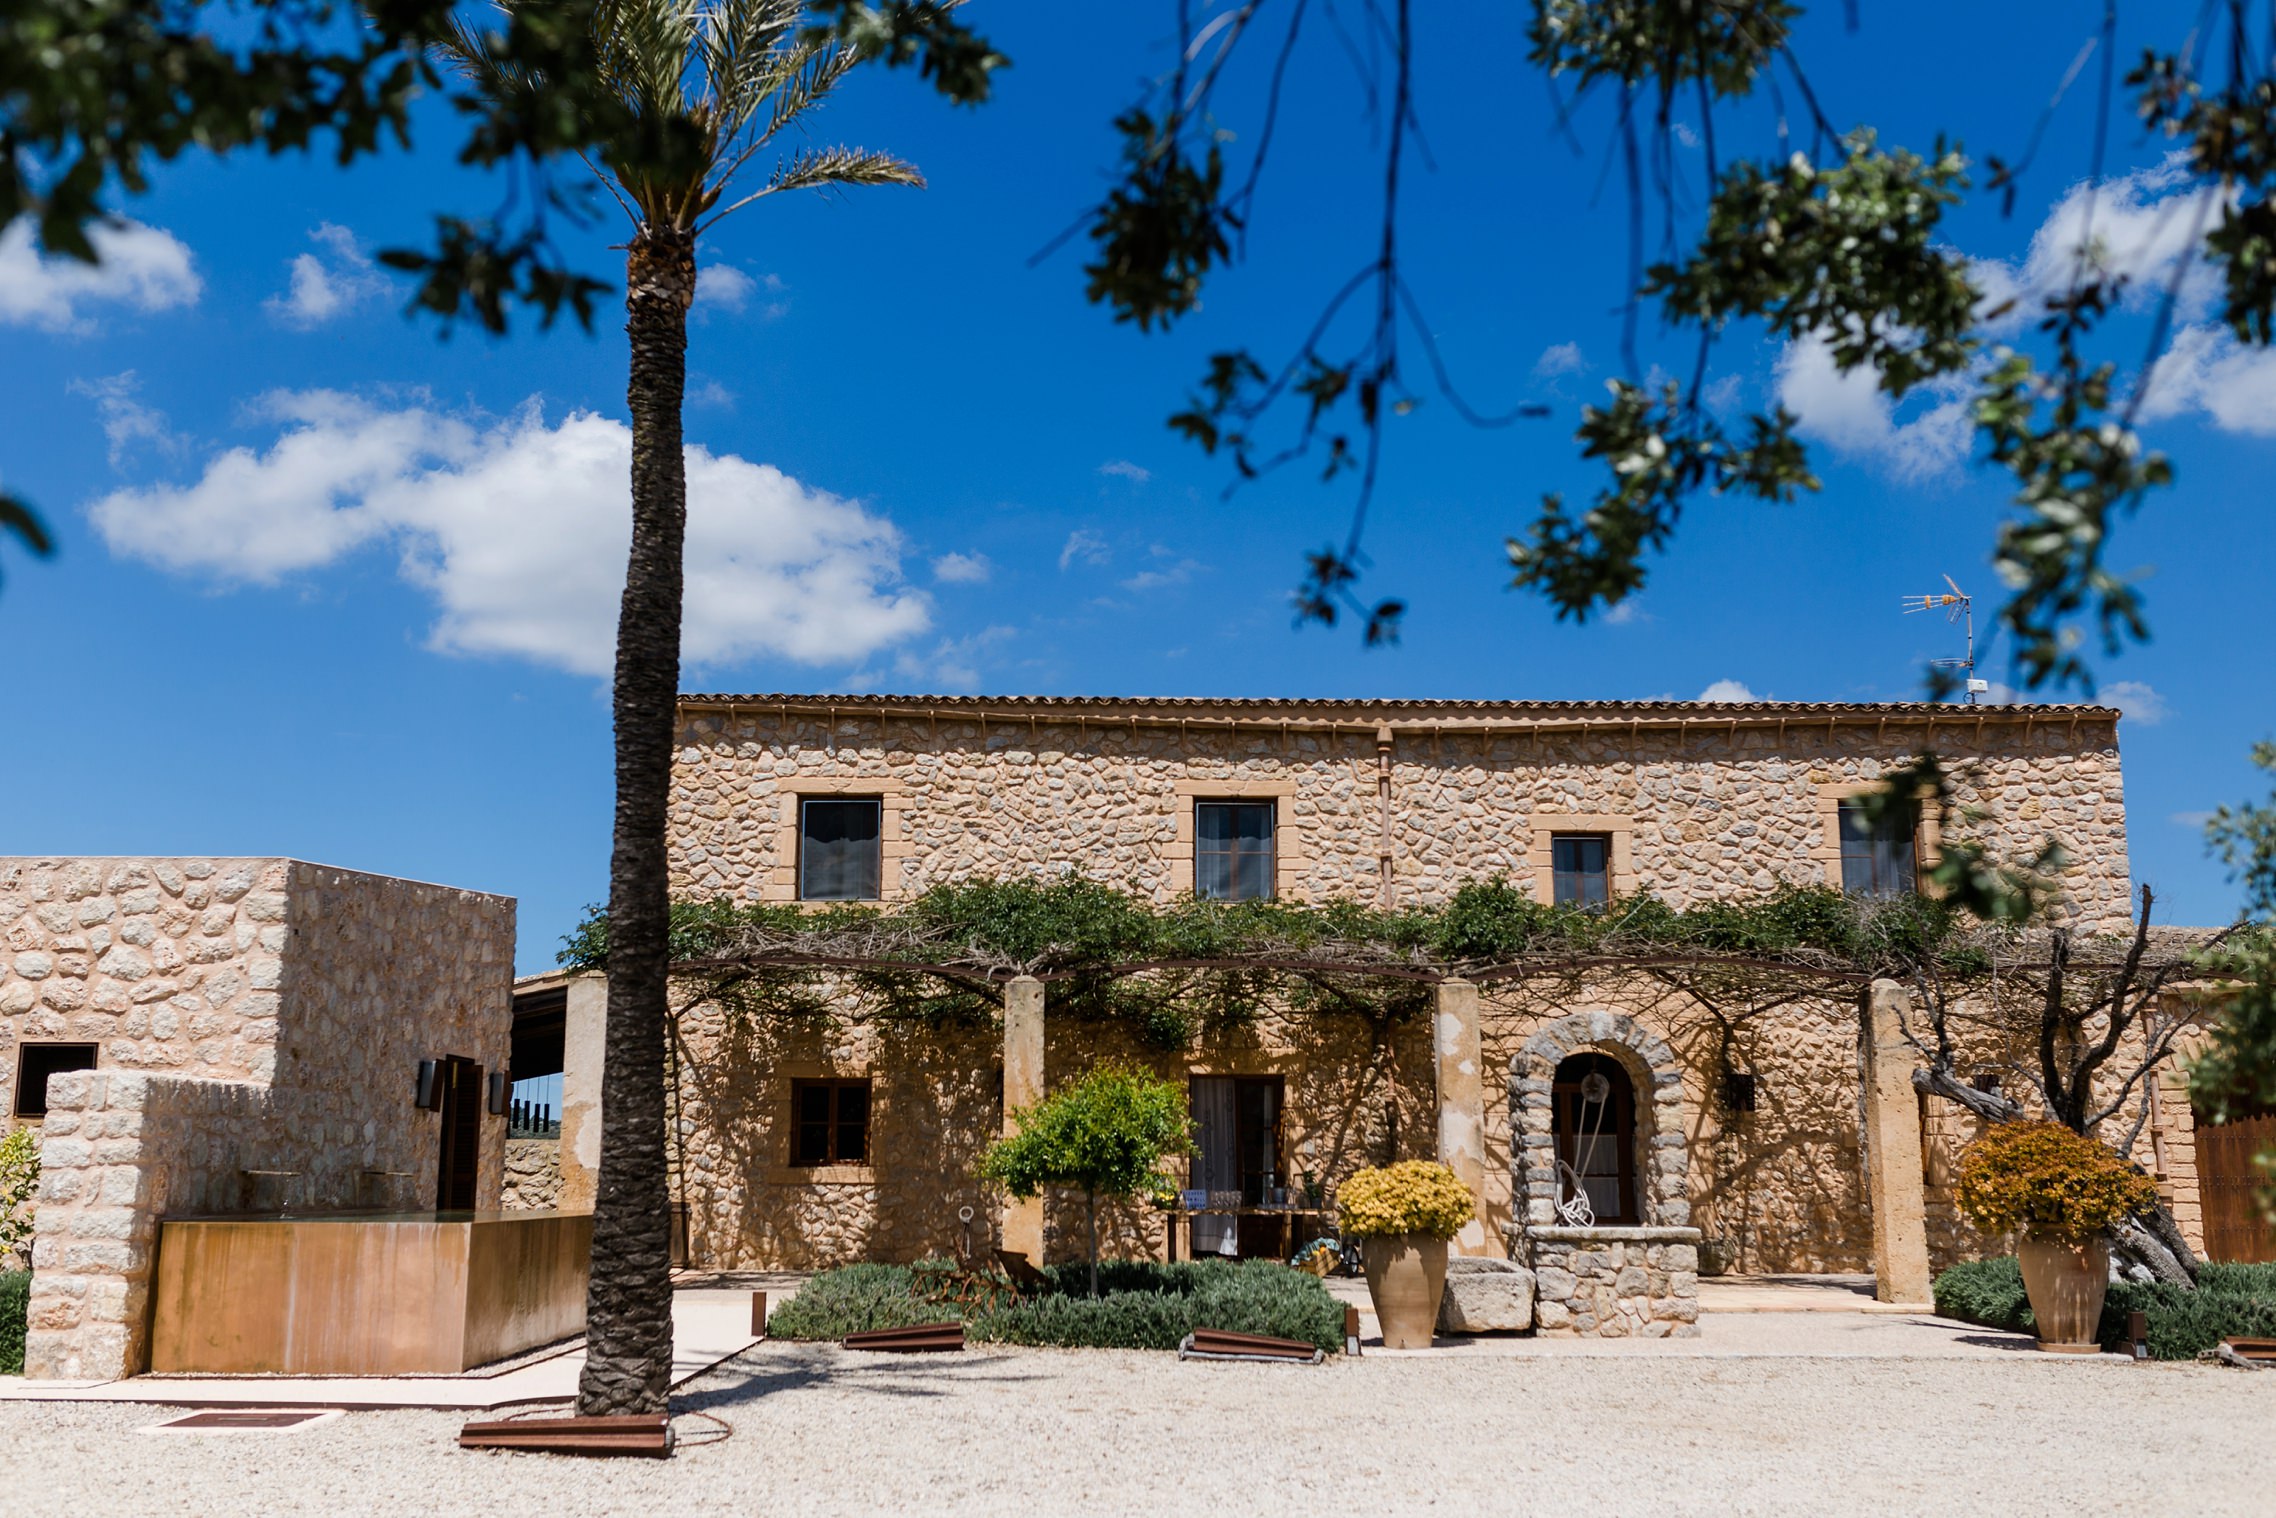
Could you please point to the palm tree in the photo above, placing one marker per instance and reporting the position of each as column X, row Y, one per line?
column 709, row 84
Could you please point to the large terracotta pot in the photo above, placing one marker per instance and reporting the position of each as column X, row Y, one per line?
column 1406, row 1275
column 2066, row 1284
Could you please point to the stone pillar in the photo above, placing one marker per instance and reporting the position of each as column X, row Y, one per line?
column 1462, row 1102
column 1023, row 1087
column 1893, row 1153
column 584, row 1050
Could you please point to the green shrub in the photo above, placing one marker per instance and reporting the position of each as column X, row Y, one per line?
column 1989, row 1292
column 2230, row 1301
column 1142, row 1305
column 15, row 1299
column 853, row 1299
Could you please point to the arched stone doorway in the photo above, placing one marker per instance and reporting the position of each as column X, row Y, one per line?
column 1605, row 1096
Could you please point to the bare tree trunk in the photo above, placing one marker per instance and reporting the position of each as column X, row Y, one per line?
column 628, row 1311
column 1090, row 1199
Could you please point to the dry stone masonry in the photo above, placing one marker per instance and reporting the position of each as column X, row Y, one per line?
column 258, row 1025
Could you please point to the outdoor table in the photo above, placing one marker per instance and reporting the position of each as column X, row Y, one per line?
column 1177, row 1217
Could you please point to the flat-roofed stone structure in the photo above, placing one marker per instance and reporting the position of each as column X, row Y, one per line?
column 250, row 1031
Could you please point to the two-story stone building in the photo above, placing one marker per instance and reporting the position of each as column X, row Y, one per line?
column 805, row 1142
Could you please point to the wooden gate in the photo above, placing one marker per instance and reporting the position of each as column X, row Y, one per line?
column 2228, row 1185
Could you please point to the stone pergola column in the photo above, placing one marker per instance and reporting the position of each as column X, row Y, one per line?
column 1023, row 1087
column 1893, row 1153
column 584, row 1050
column 1460, row 1061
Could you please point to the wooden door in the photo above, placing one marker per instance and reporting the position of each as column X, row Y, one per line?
column 2228, row 1186
column 459, row 1167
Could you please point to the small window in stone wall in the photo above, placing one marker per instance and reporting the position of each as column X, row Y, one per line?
column 829, row 1123
column 36, row 1062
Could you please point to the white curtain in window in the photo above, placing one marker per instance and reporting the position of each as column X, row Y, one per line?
column 1217, row 1165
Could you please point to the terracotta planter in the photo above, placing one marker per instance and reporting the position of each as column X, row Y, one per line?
column 2066, row 1284
column 1406, row 1276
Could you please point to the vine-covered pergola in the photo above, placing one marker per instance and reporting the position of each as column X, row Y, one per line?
column 2092, row 1016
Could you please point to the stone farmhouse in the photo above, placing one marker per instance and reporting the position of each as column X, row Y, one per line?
column 808, row 1142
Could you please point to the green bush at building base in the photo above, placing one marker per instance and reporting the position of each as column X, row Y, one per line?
column 1141, row 1305
column 15, row 1299
column 2231, row 1301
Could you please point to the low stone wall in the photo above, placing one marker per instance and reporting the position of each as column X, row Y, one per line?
column 533, row 1175
column 1615, row 1283
column 118, row 1149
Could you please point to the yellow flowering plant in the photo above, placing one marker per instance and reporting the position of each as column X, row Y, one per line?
column 1413, row 1196
column 2050, row 1184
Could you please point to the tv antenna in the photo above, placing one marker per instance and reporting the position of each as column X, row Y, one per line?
column 1957, row 606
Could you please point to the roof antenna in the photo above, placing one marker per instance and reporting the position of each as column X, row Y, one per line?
column 1959, row 606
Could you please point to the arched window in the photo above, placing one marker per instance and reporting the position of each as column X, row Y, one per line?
column 1594, row 1110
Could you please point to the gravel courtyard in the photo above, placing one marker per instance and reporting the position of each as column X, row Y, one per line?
column 818, row 1431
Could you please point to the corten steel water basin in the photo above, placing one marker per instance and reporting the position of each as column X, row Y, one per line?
column 365, row 1294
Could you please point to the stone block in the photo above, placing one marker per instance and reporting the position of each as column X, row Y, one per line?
column 1486, row 1296
column 1556, row 1284
column 1681, row 1257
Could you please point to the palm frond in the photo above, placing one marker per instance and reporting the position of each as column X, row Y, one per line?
column 828, row 168
column 739, row 39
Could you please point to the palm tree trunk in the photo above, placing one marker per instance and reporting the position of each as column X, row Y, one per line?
column 628, row 1304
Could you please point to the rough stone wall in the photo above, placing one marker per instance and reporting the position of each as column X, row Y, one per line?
column 1714, row 812
column 533, row 1175
column 119, row 1150
column 936, row 1099
column 380, row 974
column 168, row 964
column 259, row 1024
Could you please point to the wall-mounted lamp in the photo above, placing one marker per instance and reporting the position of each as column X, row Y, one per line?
column 430, row 1092
column 1738, row 1091
column 501, row 1085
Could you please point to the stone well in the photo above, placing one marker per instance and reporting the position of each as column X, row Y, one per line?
column 1608, row 1281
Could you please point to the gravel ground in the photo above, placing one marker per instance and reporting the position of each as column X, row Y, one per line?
column 1036, row 1433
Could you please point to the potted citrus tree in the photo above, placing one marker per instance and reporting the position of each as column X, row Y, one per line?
column 1403, row 1215
column 2060, row 1192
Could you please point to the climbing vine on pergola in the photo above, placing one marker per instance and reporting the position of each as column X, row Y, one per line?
column 2090, row 1014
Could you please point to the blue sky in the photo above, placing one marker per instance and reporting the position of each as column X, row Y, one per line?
column 332, row 587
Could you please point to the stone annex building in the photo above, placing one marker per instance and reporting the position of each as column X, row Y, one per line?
column 804, row 1142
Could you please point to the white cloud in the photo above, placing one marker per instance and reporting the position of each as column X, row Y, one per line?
column 1685, row 133
column 1851, row 414
column 2207, row 370
column 517, row 527
column 2137, row 700
column 145, row 267
column 127, row 421
column 1728, row 690
column 963, row 569
column 711, row 393
column 953, row 662
column 1559, row 358
column 724, row 290
column 1124, row 469
column 1168, row 570
column 2138, row 225
column 1083, row 547
column 1627, row 613
column 327, row 284
column 2194, row 821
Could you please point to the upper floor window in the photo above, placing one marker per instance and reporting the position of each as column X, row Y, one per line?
column 840, row 853
column 1878, row 859
column 1580, row 869
column 1232, row 850
column 36, row 1062
column 829, row 1123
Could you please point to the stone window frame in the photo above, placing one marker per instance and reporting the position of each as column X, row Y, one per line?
column 1927, row 838
column 1541, row 860
column 787, row 1075
column 892, row 846
column 1290, row 851
column 1662, row 1156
